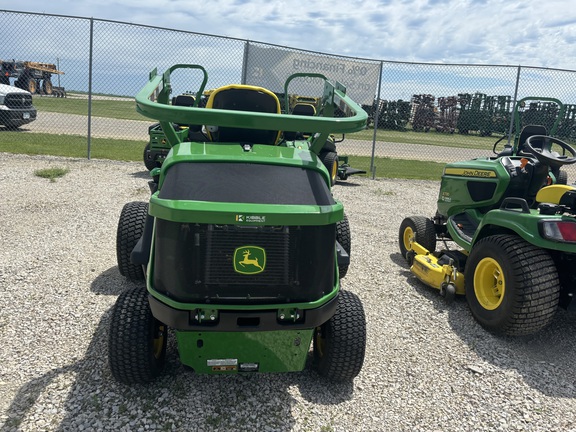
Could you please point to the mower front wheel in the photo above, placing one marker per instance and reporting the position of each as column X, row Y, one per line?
column 512, row 287
column 137, row 341
column 130, row 229
column 416, row 229
column 340, row 343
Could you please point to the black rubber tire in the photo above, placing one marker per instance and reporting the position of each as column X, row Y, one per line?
column 562, row 177
column 137, row 340
column 530, row 285
column 130, row 229
column 149, row 163
column 47, row 87
column 344, row 237
column 340, row 343
column 421, row 228
column 31, row 85
column 330, row 161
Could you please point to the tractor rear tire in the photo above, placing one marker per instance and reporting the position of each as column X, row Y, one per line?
column 344, row 237
column 340, row 343
column 330, row 161
column 31, row 85
column 137, row 340
column 512, row 286
column 47, row 87
column 419, row 229
column 130, row 229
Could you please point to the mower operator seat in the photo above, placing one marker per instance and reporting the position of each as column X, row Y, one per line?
column 302, row 109
column 240, row 97
column 527, row 132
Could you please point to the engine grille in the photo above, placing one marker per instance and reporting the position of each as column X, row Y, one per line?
column 18, row 100
column 220, row 246
column 196, row 262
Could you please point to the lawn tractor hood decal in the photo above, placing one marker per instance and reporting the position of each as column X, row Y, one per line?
column 249, row 260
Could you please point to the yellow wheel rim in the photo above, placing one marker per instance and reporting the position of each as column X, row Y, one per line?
column 159, row 341
column 408, row 238
column 489, row 284
column 334, row 171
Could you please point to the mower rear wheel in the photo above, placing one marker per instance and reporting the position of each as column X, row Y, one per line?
column 345, row 239
column 340, row 343
column 416, row 229
column 562, row 177
column 137, row 340
column 130, row 229
column 149, row 163
column 330, row 161
column 512, row 287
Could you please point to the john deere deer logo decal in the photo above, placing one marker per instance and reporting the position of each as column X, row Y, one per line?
column 249, row 260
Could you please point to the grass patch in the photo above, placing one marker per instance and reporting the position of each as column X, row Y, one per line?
column 70, row 146
column 429, row 138
column 126, row 150
column 52, row 173
column 399, row 168
column 118, row 109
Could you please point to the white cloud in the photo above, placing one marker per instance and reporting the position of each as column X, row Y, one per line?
column 513, row 32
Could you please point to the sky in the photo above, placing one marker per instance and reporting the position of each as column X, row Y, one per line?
column 502, row 32
column 437, row 33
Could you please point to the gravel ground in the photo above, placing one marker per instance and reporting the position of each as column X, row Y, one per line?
column 429, row 366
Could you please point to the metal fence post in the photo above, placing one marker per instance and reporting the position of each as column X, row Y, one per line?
column 511, row 128
column 376, row 117
column 90, row 84
column 245, row 62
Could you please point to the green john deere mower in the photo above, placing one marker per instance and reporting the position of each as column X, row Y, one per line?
column 508, row 224
column 337, row 165
column 242, row 245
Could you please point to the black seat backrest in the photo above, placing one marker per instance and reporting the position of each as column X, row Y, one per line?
column 186, row 100
column 527, row 132
column 303, row 109
column 183, row 100
column 244, row 98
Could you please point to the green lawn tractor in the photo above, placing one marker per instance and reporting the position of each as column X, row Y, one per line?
column 242, row 245
column 337, row 165
column 513, row 222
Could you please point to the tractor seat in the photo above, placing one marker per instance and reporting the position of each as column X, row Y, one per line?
column 302, row 109
column 239, row 97
column 186, row 100
column 183, row 100
column 527, row 132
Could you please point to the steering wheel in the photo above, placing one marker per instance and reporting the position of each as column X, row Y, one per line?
column 545, row 156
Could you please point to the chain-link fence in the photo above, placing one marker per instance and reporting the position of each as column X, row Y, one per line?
column 419, row 111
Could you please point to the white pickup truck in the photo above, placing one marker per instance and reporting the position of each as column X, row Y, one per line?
column 16, row 107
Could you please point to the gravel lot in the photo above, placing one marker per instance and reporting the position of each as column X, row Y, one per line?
column 429, row 366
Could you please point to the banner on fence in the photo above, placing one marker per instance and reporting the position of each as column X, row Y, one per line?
column 269, row 67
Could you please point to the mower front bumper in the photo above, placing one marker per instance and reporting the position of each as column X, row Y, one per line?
column 242, row 320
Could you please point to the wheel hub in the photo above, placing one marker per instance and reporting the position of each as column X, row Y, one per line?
column 489, row 284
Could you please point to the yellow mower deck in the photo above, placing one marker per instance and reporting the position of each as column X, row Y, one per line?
column 426, row 268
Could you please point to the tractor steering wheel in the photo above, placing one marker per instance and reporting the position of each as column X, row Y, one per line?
column 545, row 156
